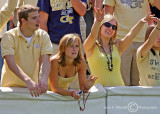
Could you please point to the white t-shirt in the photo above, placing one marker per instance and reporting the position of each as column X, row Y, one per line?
column 29, row 39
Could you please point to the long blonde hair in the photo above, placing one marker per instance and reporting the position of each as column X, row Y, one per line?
column 66, row 41
column 108, row 17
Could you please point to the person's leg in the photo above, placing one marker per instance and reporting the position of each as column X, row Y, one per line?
column 83, row 28
column 126, row 60
column 134, row 68
column 89, row 19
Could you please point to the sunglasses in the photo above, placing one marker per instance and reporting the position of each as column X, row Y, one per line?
column 106, row 24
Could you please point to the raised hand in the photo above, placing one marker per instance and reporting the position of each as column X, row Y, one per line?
column 90, row 81
column 149, row 17
column 99, row 15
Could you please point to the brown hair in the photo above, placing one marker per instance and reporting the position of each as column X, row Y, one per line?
column 66, row 41
column 25, row 10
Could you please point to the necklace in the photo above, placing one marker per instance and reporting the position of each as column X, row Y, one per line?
column 109, row 61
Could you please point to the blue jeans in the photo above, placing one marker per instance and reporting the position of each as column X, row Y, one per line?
column 1, row 61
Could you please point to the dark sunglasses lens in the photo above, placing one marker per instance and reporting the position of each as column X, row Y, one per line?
column 107, row 24
column 114, row 27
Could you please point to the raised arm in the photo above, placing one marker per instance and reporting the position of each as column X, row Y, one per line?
column 150, row 41
column 79, row 6
column 90, row 42
column 6, row 11
column 31, row 85
column 125, row 42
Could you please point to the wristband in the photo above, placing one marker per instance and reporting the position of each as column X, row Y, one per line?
column 72, row 93
column 157, row 28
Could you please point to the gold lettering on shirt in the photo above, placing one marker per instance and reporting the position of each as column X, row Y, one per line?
column 60, row 4
column 67, row 18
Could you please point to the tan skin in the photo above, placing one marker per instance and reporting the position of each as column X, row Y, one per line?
column 69, row 71
column 106, row 34
column 152, row 42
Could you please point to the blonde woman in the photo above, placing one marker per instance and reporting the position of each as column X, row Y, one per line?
column 103, row 53
column 66, row 64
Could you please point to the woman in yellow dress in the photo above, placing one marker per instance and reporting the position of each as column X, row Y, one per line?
column 102, row 50
column 66, row 65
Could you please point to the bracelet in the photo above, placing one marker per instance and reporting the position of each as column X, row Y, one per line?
column 72, row 93
column 86, row 88
column 157, row 28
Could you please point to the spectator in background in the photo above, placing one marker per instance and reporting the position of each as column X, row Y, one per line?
column 60, row 18
column 89, row 16
column 21, row 48
column 148, row 57
column 128, row 13
column 5, row 13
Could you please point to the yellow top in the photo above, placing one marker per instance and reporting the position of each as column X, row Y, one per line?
column 64, row 82
column 149, row 68
column 26, row 56
column 98, row 66
column 128, row 13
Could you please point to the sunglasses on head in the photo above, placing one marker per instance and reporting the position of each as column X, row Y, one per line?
column 107, row 24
